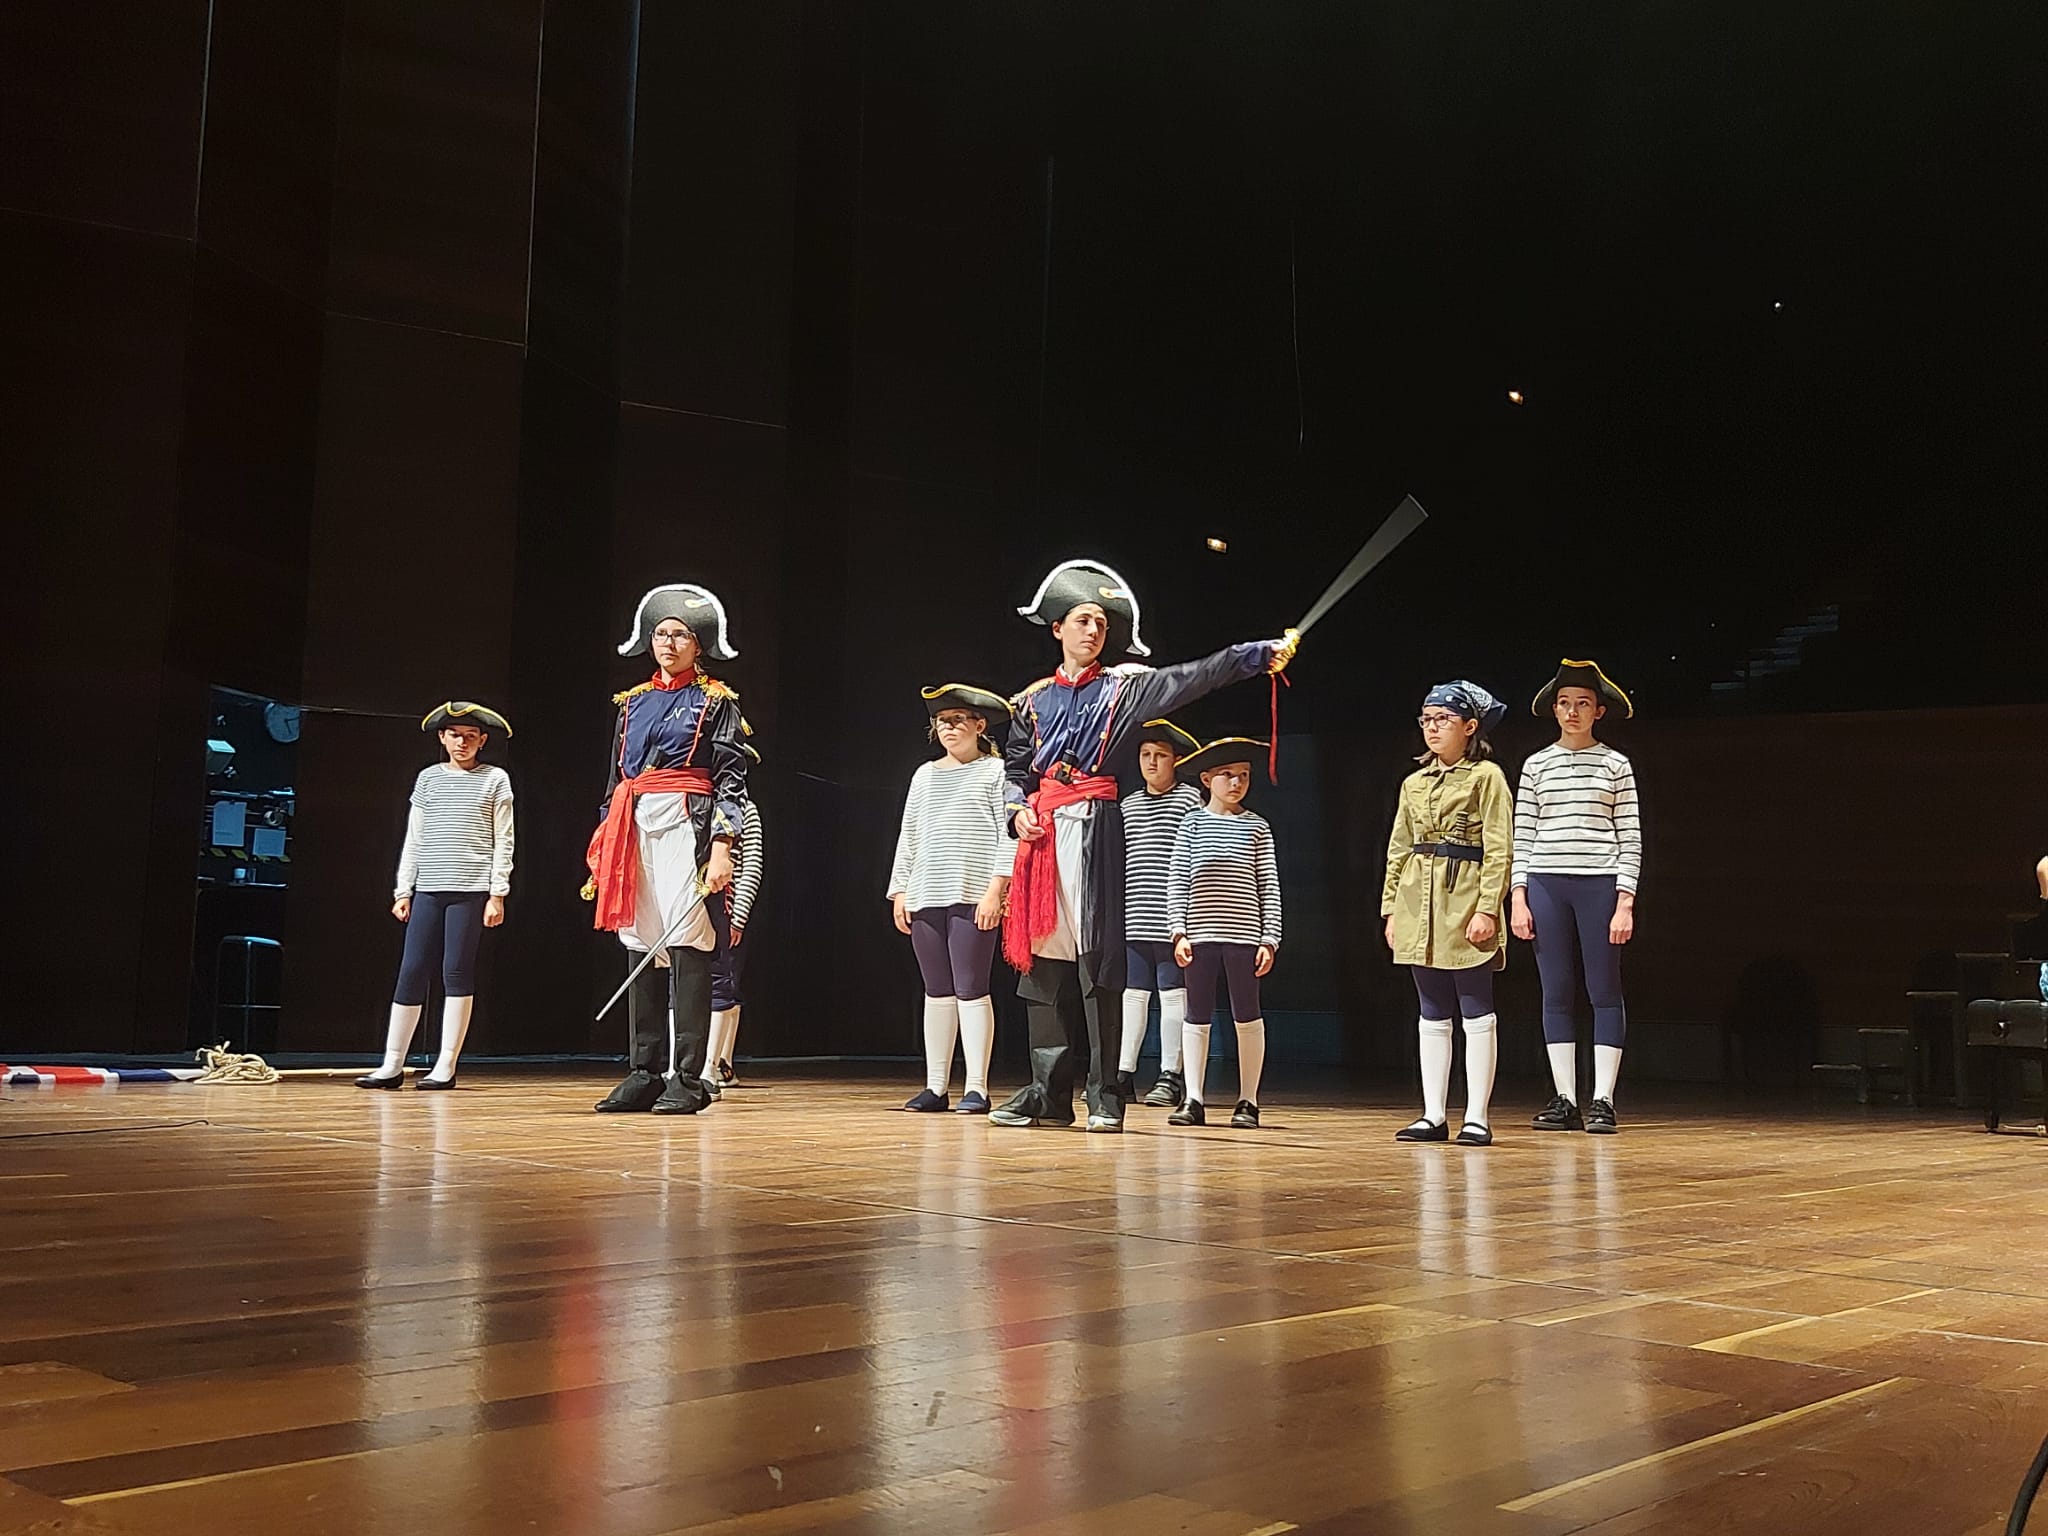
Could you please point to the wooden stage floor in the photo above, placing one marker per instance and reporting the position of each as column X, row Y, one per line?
column 329, row 1311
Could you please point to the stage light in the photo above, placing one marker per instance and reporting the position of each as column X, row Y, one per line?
column 1777, row 303
column 1514, row 397
column 1218, row 545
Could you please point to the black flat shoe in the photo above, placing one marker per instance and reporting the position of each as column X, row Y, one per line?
column 426, row 1084
column 1246, row 1116
column 635, row 1096
column 1424, row 1130
column 1168, row 1093
column 1600, row 1119
column 372, row 1080
column 1471, row 1134
column 1560, row 1114
column 925, row 1102
column 1189, row 1113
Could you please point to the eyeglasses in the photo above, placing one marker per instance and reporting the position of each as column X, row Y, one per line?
column 672, row 637
column 956, row 722
column 1428, row 722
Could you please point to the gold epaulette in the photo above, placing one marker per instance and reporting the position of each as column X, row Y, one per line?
column 1029, row 689
column 631, row 693
column 713, row 688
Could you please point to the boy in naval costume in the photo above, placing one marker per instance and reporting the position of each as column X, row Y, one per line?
column 1072, row 751
column 676, row 804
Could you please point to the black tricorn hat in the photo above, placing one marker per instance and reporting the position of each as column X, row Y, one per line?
column 461, row 712
column 1216, row 754
column 1073, row 582
column 1168, row 735
column 1583, row 674
column 992, row 707
column 695, row 606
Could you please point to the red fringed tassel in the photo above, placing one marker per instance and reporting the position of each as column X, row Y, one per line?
column 1273, row 743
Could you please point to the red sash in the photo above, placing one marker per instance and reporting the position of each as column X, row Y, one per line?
column 1035, row 881
column 613, row 859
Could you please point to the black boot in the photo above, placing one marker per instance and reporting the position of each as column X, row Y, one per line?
column 689, row 973
column 647, row 1018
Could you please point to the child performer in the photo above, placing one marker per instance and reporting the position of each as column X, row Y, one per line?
column 454, row 873
column 1223, row 905
column 729, row 918
column 1152, row 815
column 1443, row 914
column 677, row 804
column 1578, row 856
column 952, row 872
column 1071, row 754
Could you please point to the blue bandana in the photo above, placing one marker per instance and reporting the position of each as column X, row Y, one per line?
column 1469, row 701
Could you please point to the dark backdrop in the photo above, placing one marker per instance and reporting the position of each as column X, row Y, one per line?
column 364, row 353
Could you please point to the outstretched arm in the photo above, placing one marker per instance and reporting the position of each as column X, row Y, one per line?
column 1164, row 689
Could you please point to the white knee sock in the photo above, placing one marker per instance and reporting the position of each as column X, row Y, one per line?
column 1606, row 1071
column 714, row 1053
column 978, row 1041
column 941, row 1024
column 405, row 1018
column 1251, row 1058
column 1435, row 1040
column 1482, row 1052
column 732, row 1034
column 454, row 1025
column 1564, row 1068
column 1195, row 1055
column 1137, row 1009
column 1173, row 1018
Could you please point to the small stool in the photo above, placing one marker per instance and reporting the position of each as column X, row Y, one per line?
column 249, row 944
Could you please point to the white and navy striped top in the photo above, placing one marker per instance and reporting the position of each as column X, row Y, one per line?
column 1223, row 886
column 956, row 834
column 1576, row 814
column 1150, row 822
column 458, row 834
column 747, row 858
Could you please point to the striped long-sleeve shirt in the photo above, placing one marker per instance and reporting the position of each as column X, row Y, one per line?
column 1150, row 822
column 1576, row 814
column 748, row 857
column 458, row 834
column 955, row 836
column 1223, row 886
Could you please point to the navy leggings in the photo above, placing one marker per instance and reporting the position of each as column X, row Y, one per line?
column 727, row 958
column 1238, row 965
column 952, row 954
column 1469, row 992
column 451, row 922
column 1149, row 966
column 1571, row 913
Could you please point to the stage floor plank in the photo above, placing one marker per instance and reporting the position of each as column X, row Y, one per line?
column 326, row 1312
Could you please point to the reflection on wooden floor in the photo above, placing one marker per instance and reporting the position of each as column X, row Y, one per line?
column 338, row 1312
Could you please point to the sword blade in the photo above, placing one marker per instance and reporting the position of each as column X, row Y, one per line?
column 1401, row 522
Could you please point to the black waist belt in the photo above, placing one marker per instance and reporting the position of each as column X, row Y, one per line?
column 1470, row 853
column 1458, row 853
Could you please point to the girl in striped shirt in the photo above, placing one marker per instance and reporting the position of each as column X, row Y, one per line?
column 1223, row 905
column 953, row 860
column 454, row 873
column 1578, row 856
column 1152, row 816
column 729, row 921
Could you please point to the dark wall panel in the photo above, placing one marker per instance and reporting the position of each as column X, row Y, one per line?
column 411, row 552
column 433, row 168
column 100, row 105
column 713, row 210
column 266, row 177
column 93, row 400
column 580, row 178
